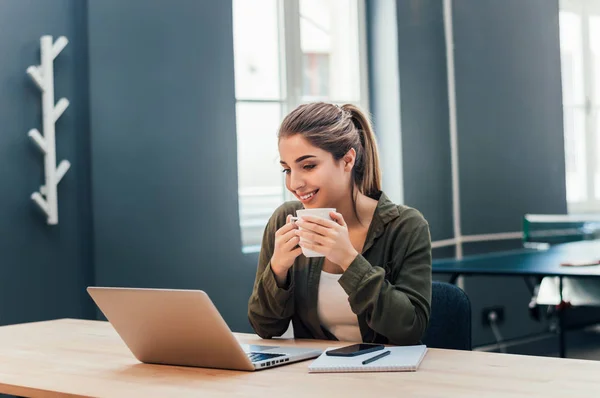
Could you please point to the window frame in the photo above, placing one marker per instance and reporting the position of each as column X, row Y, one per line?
column 584, row 9
column 291, row 84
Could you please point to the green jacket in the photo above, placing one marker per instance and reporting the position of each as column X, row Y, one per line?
column 388, row 284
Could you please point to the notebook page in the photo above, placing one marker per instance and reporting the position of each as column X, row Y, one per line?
column 406, row 358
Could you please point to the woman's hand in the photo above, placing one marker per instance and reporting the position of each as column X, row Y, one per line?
column 285, row 252
column 327, row 237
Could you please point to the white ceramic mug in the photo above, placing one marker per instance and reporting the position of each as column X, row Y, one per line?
column 321, row 213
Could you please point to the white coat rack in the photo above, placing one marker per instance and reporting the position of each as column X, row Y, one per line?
column 43, row 76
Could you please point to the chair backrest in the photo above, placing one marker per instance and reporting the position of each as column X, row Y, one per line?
column 450, row 320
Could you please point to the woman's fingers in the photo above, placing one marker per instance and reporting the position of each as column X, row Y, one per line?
column 291, row 244
column 338, row 218
column 316, row 228
column 310, row 236
column 288, row 235
column 311, row 246
column 289, row 226
column 317, row 220
column 318, row 240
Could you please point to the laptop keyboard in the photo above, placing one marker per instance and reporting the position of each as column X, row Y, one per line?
column 257, row 356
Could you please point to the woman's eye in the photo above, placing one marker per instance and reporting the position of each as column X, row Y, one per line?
column 286, row 171
column 309, row 167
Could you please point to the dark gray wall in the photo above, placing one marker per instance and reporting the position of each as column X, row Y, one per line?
column 424, row 113
column 44, row 269
column 509, row 112
column 510, row 130
column 164, row 150
column 511, row 145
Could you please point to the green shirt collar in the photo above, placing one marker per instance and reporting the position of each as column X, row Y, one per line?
column 385, row 212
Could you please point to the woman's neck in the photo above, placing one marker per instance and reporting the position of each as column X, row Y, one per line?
column 365, row 208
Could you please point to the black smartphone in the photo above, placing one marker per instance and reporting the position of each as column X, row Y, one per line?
column 354, row 350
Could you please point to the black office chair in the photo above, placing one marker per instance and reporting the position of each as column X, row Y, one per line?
column 450, row 321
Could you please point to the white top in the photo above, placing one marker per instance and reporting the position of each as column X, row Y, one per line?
column 334, row 309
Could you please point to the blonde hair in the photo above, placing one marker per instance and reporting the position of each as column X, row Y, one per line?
column 337, row 129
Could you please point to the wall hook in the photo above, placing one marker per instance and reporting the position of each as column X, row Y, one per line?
column 43, row 77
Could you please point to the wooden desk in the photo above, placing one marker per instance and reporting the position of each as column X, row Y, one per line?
column 87, row 358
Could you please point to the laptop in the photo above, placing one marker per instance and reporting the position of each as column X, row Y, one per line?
column 184, row 328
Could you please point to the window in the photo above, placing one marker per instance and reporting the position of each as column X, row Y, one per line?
column 580, row 61
column 287, row 52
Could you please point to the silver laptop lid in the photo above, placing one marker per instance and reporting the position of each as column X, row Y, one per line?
column 174, row 327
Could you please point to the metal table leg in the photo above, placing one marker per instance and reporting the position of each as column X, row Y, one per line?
column 453, row 279
column 562, row 349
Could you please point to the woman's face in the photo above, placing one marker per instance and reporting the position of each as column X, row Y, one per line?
column 312, row 174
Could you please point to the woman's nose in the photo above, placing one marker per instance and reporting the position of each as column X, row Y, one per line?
column 296, row 182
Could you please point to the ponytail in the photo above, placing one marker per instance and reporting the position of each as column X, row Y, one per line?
column 368, row 171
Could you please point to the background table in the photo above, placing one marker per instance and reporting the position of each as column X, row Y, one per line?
column 530, row 263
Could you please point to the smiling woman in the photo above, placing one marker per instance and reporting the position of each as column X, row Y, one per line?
column 373, row 281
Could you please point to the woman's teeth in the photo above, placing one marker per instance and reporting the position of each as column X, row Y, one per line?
column 307, row 196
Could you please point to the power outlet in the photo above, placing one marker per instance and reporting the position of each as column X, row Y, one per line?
column 485, row 315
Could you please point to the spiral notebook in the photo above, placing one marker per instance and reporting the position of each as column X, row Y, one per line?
column 401, row 359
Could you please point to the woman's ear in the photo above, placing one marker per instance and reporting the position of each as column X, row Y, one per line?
column 349, row 159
